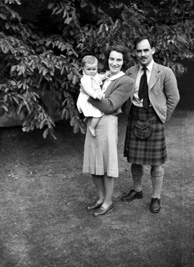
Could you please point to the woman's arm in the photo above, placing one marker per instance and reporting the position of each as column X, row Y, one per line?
column 122, row 90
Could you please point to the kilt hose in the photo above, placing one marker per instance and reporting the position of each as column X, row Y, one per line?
column 151, row 151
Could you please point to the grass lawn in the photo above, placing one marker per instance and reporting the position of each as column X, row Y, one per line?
column 43, row 195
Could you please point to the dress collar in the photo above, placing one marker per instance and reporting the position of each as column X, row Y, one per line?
column 116, row 76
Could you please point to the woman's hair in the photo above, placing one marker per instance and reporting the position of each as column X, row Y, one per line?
column 89, row 59
column 120, row 49
column 141, row 38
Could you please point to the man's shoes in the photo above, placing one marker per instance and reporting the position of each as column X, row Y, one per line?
column 155, row 205
column 102, row 210
column 132, row 195
column 94, row 205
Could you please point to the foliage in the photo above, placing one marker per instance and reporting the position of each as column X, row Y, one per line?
column 30, row 67
column 45, row 57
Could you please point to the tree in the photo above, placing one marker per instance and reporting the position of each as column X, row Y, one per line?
column 33, row 63
column 42, row 52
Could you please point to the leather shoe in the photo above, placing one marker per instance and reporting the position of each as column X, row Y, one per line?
column 102, row 210
column 132, row 195
column 94, row 205
column 155, row 205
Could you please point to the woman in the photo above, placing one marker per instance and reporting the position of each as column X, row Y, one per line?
column 100, row 152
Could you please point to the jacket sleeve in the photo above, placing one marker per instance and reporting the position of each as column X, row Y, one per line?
column 123, row 90
column 171, row 91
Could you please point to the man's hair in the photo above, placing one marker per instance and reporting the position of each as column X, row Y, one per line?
column 141, row 38
column 89, row 59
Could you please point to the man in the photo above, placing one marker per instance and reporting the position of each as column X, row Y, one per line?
column 155, row 98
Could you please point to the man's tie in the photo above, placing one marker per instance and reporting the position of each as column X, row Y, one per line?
column 143, row 89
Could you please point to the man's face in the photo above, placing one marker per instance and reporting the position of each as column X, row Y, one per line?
column 144, row 52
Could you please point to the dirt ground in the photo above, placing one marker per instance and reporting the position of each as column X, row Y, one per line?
column 43, row 195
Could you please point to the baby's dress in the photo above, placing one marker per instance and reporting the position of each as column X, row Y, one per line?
column 93, row 88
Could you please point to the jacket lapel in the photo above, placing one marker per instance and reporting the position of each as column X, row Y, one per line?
column 111, row 86
column 109, row 89
column 154, row 76
column 132, row 72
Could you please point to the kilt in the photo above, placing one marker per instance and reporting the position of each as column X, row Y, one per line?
column 100, row 152
column 151, row 151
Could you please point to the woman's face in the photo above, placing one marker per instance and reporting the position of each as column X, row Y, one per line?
column 115, row 62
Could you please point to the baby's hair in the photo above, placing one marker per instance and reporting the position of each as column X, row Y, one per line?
column 89, row 59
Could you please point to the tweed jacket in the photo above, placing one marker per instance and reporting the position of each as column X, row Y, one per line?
column 117, row 93
column 162, row 89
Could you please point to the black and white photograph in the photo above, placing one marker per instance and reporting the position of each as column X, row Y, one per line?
column 96, row 133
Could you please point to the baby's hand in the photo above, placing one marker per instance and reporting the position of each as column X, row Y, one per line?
column 99, row 97
column 107, row 73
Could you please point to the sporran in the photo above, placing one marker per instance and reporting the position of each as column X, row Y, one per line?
column 143, row 129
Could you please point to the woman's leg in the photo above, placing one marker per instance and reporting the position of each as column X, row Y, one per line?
column 99, row 183
column 109, row 187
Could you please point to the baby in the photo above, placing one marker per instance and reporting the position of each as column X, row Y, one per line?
column 91, row 83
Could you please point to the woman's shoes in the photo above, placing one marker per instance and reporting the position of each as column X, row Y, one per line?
column 102, row 210
column 94, row 205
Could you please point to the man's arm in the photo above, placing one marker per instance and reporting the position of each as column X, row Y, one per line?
column 171, row 91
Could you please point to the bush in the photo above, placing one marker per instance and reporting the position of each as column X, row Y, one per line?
column 42, row 52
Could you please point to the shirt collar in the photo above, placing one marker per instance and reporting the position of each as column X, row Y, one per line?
column 149, row 66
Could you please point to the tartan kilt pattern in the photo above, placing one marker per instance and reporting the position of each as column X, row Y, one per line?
column 151, row 151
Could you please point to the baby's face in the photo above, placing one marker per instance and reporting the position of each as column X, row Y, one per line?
column 90, row 69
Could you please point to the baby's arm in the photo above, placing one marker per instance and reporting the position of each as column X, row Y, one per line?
column 104, row 75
